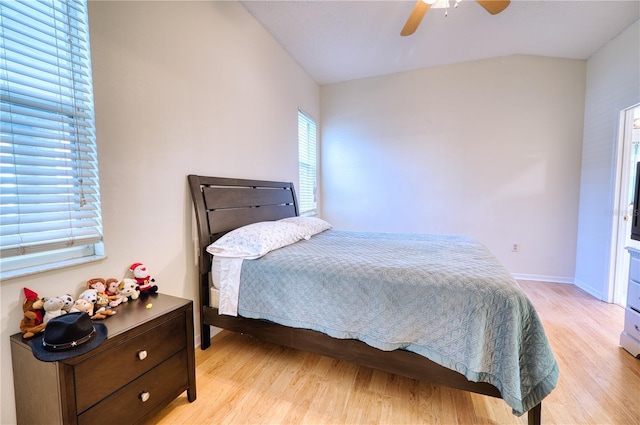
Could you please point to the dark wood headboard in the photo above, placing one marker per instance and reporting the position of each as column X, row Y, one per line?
column 223, row 204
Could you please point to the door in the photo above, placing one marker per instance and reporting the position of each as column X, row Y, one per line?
column 629, row 148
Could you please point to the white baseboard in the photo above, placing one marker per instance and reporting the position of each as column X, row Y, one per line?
column 565, row 280
column 542, row 278
column 590, row 290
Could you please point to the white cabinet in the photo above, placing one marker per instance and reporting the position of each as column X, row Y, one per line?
column 630, row 336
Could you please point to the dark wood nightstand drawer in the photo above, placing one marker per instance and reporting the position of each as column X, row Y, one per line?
column 126, row 406
column 102, row 374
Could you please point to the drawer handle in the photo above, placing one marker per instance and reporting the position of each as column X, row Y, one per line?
column 637, row 327
column 145, row 396
column 142, row 354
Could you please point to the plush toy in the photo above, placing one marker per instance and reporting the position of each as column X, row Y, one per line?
column 68, row 302
column 103, row 313
column 53, row 308
column 129, row 288
column 103, row 300
column 31, row 322
column 100, row 285
column 37, row 304
column 112, row 291
column 144, row 281
column 96, row 311
column 90, row 295
column 82, row 305
column 28, row 325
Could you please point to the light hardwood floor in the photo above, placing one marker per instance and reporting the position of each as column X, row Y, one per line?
column 243, row 381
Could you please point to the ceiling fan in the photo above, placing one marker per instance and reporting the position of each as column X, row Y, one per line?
column 420, row 9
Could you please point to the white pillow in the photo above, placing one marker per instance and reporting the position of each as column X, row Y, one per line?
column 255, row 240
column 310, row 225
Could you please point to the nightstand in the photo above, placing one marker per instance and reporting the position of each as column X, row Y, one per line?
column 147, row 360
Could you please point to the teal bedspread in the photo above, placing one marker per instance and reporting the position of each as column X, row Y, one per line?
column 444, row 297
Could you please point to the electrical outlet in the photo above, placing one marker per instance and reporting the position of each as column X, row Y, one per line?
column 515, row 248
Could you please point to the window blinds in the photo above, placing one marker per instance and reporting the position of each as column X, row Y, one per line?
column 307, row 163
column 49, row 195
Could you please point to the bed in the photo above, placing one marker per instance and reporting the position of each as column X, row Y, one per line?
column 482, row 353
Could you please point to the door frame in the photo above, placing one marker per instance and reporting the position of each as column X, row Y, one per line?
column 619, row 262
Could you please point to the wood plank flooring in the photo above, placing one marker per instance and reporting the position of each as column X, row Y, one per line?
column 244, row 381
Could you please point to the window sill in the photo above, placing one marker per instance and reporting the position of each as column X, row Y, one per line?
column 27, row 271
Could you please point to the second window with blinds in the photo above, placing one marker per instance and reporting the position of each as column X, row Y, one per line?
column 307, row 164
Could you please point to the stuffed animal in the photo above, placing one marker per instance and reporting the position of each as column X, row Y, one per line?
column 90, row 295
column 144, row 281
column 68, row 302
column 31, row 322
column 28, row 325
column 96, row 311
column 103, row 313
column 112, row 291
column 53, row 308
column 100, row 285
column 37, row 304
column 103, row 300
column 129, row 288
column 82, row 305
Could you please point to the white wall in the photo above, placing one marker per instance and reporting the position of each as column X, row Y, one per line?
column 613, row 84
column 180, row 87
column 490, row 149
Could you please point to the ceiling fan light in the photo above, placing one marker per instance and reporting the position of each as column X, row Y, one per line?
column 438, row 4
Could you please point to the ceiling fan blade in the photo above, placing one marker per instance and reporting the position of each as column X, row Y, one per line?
column 418, row 12
column 494, row 6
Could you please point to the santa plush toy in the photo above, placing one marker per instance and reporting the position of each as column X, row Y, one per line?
column 144, row 281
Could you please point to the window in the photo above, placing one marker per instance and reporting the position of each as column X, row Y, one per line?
column 49, row 198
column 307, row 164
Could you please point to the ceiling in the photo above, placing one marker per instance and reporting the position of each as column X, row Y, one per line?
column 342, row 40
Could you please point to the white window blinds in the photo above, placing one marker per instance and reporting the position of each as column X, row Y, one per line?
column 308, row 164
column 49, row 197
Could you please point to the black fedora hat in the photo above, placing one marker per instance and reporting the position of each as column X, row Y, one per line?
column 68, row 336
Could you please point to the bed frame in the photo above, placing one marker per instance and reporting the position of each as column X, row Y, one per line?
column 223, row 204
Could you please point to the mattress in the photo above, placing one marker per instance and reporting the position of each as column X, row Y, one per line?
column 215, row 272
column 214, row 297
